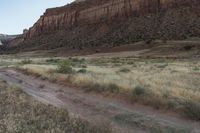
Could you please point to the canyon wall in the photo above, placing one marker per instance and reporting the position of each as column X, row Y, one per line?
column 104, row 24
column 91, row 11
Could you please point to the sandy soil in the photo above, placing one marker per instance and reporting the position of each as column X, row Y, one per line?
column 123, row 117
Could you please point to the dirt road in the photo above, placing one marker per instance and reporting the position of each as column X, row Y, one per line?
column 120, row 115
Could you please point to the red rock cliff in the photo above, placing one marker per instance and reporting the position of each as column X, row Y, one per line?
column 94, row 11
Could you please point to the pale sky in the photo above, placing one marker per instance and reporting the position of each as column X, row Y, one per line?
column 16, row 15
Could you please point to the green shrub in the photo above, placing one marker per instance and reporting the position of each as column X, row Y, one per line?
column 131, row 63
column 140, row 92
column 162, row 65
column 149, row 41
column 113, row 88
column 102, row 88
column 124, row 70
column 94, row 87
column 82, row 71
column 192, row 110
column 52, row 60
column 75, row 62
column 64, row 66
column 83, row 66
column 116, row 60
column 26, row 61
column 187, row 47
column 196, row 68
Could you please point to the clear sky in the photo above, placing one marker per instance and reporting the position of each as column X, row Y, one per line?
column 16, row 15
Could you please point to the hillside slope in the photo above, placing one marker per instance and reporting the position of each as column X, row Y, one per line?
column 95, row 24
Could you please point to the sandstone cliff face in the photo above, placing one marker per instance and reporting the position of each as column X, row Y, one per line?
column 91, row 11
column 103, row 24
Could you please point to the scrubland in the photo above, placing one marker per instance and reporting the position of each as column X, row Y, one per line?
column 168, row 84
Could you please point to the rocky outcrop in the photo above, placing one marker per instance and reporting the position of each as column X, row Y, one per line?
column 97, row 11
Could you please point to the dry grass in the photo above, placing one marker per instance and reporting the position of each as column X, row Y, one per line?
column 169, row 82
column 19, row 113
